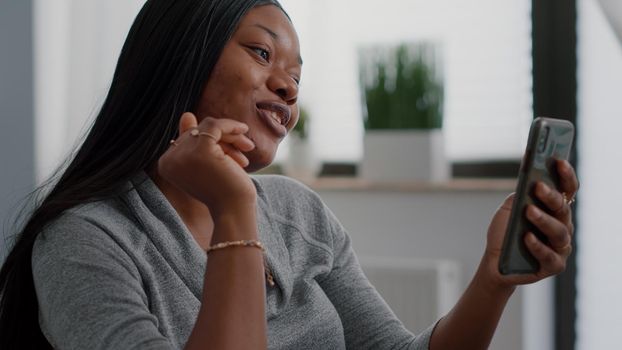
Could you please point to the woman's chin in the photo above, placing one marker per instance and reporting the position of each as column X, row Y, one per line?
column 258, row 160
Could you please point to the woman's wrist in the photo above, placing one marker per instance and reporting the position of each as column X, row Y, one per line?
column 235, row 224
column 490, row 281
column 229, row 203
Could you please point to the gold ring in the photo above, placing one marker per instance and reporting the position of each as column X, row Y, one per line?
column 565, row 249
column 566, row 200
column 197, row 133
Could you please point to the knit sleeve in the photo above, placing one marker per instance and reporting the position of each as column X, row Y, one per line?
column 89, row 291
column 368, row 321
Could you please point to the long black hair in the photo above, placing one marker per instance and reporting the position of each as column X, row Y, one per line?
column 168, row 56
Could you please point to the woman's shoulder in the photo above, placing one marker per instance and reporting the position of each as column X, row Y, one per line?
column 98, row 224
column 101, row 213
column 274, row 182
column 284, row 192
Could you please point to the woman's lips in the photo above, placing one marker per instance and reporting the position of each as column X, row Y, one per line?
column 276, row 116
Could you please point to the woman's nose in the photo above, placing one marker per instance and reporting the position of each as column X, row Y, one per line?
column 282, row 84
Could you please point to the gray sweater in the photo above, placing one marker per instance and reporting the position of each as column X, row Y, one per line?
column 127, row 274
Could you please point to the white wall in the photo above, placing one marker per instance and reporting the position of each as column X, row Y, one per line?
column 443, row 225
column 600, row 159
column 487, row 69
column 487, row 50
column 76, row 46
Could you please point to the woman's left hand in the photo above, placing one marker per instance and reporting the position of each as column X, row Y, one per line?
column 553, row 219
column 472, row 322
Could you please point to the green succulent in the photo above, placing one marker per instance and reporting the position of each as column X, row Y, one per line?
column 404, row 91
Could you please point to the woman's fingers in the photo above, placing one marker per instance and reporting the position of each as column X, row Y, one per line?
column 239, row 141
column 206, row 160
column 557, row 233
column 568, row 182
column 558, row 202
column 224, row 125
column 508, row 202
column 214, row 127
column 551, row 261
column 555, row 202
column 227, row 133
column 234, row 153
column 553, row 219
column 187, row 122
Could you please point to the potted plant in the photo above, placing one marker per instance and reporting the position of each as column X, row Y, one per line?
column 301, row 162
column 403, row 114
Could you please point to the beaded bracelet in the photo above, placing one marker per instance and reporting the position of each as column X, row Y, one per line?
column 246, row 243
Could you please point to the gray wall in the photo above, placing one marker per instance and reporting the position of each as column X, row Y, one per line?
column 16, row 109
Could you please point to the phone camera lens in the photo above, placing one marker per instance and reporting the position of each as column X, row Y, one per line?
column 543, row 139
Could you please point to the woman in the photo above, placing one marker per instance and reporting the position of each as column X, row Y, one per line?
column 115, row 255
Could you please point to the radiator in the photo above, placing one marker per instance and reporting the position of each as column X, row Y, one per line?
column 418, row 291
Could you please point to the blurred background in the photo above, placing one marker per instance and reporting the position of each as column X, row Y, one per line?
column 500, row 64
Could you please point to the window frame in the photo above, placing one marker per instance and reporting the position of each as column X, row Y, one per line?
column 554, row 50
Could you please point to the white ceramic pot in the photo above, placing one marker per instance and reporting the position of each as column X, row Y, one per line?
column 404, row 156
column 301, row 162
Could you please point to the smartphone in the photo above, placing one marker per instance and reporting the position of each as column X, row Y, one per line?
column 549, row 139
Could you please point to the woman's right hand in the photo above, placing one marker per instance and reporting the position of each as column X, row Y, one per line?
column 209, row 165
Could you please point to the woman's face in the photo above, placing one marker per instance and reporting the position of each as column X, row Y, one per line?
column 255, row 81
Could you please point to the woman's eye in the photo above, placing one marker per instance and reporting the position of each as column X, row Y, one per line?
column 264, row 54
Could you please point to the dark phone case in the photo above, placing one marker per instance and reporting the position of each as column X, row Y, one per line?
column 543, row 148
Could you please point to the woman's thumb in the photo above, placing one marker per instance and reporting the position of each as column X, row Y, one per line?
column 186, row 122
